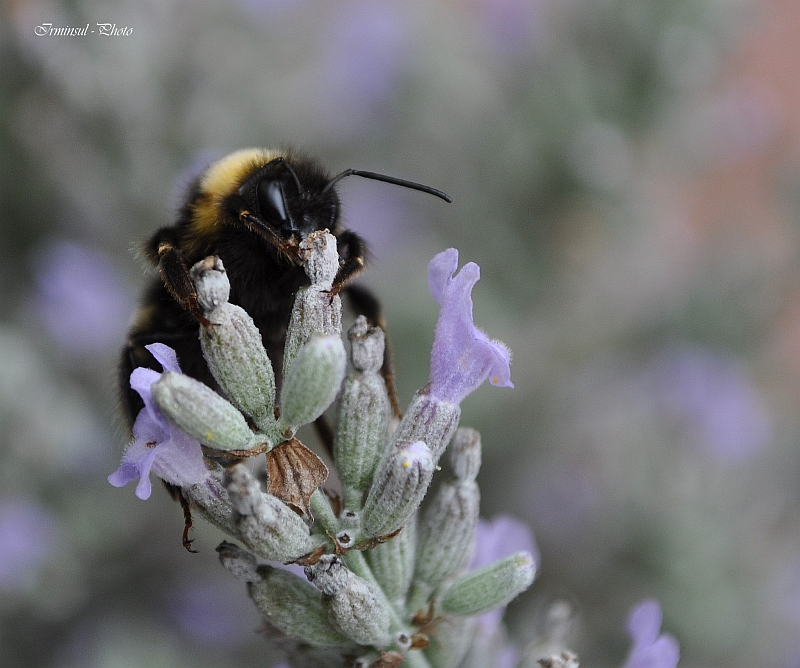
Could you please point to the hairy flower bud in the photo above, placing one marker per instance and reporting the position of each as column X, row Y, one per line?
column 367, row 346
column 294, row 607
column 200, row 412
column 446, row 532
column 397, row 489
column 354, row 607
column 239, row 563
column 428, row 419
column 465, row 453
column 568, row 659
column 313, row 381
column 266, row 525
column 211, row 283
column 489, row 587
column 363, row 415
column 232, row 346
column 315, row 311
column 210, row 499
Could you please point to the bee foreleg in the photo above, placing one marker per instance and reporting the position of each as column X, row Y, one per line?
column 352, row 254
column 175, row 274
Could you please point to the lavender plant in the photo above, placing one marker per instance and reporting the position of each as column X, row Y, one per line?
column 382, row 583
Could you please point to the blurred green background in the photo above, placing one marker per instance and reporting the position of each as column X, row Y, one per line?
column 626, row 174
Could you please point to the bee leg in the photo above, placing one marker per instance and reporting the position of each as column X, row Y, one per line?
column 177, row 495
column 352, row 251
column 363, row 302
column 172, row 266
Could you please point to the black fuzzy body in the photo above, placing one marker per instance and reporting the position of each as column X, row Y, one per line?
column 264, row 280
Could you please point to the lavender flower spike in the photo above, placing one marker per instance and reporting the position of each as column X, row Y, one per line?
column 463, row 356
column 651, row 648
column 158, row 445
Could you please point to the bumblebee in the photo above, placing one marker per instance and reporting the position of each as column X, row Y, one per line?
column 252, row 209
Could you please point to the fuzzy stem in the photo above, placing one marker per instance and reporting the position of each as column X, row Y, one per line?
column 323, row 512
column 416, row 659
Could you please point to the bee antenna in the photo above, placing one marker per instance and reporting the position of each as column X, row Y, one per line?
column 282, row 161
column 387, row 179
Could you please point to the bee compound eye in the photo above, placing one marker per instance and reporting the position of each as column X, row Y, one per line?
column 271, row 201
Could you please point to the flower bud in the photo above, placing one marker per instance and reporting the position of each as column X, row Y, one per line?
column 313, row 381
column 569, row 659
column 354, row 607
column 428, row 419
column 211, row 282
column 315, row 311
column 232, row 346
column 294, row 607
column 446, row 532
column 200, row 412
column 363, row 414
column 329, row 574
column 392, row 562
column 210, row 500
column 367, row 346
column 266, row 525
column 489, row 587
column 465, row 453
column 397, row 489
column 239, row 563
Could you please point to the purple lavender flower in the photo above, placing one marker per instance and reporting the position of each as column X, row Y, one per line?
column 211, row 612
column 362, row 60
column 651, row 648
column 157, row 444
column 516, row 28
column 715, row 397
column 495, row 540
column 81, row 298
column 463, row 356
column 28, row 537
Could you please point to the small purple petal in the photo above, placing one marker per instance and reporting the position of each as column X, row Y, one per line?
column 644, row 623
column 180, row 460
column 141, row 381
column 125, row 473
column 463, row 356
column 650, row 650
column 144, row 488
column 165, row 356
column 150, row 426
column 136, row 463
column 157, row 444
column 440, row 271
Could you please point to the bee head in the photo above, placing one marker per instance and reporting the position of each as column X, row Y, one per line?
column 291, row 203
column 279, row 197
